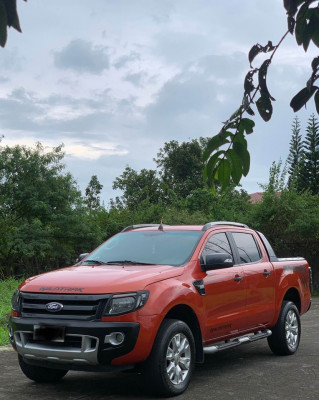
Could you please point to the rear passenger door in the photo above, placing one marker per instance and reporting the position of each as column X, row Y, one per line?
column 259, row 279
column 225, row 292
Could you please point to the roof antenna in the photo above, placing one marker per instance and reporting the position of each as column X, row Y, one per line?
column 160, row 228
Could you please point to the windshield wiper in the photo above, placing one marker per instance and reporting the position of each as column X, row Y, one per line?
column 128, row 262
column 93, row 262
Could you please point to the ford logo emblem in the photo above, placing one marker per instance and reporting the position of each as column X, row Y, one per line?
column 54, row 307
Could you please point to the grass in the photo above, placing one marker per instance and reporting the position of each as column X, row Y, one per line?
column 7, row 288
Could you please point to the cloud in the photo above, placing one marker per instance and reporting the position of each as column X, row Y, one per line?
column 82, row 56
column 194, row 102
column 136, row 79
column 4, row 79
column 11, row 60
column 124, row 60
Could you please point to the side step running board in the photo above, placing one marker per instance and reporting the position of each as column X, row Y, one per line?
column 237, row 341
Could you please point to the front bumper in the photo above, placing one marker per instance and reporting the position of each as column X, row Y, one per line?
column 85, row 345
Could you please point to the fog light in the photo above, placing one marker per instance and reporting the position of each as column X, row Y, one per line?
column 114, row 338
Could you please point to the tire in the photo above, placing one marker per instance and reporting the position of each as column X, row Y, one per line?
column 285, row 337
column 169, row 368
column 41, row 374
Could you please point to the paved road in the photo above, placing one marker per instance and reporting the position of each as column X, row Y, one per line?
column 247, row 372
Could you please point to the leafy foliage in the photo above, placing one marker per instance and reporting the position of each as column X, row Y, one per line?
column 43, row 221
column 92, row 193
column 296, row 153
column 180, row 166
column 303, row 157
column 7, row 287
column 303, row 22
column 310, row 167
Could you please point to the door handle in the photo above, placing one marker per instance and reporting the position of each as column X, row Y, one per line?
column 266, row 273
column 238, row 278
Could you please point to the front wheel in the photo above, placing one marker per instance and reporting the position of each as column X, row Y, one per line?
column 285, row 336
column 169, row 367
column 41, row 374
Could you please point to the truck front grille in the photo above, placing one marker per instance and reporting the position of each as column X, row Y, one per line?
column 80, row 307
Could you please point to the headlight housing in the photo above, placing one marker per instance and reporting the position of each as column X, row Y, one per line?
column 126, row 303
column 15, row 301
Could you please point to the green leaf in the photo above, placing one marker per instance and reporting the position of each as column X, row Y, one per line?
column 317, row 101
column 236, row 165
column 291, row 6
column 3, row 24
column 208, row 170
column 257, row 48
column 304, row 27
column 291, row 22
column 315, row 27
column 223, row 173
column 302, row 97
column 262, row 78
column 239, row 138
column 236, row 113
column 246, row 163
column 13, row 18
column 264, row 107
column 215, row 142
column 253, row 52
column 250, row 111
column 243, row 154
column 247, row 124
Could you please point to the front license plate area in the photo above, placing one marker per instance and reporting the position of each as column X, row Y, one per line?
column 49, row 333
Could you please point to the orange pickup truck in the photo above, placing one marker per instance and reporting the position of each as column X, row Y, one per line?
column 157, row 298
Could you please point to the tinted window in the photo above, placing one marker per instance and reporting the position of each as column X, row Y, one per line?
column 150, row 247
column 217, row 243
column 247, row 247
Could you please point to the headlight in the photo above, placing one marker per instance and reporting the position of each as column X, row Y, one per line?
column 15, row 301
column 125, row 303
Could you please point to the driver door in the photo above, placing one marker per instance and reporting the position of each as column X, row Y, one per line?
column 225, row 289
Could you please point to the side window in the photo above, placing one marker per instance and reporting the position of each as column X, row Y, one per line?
column 247, row 247
column 217, row 243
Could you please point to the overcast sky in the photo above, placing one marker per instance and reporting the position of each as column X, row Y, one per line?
column 115, row 79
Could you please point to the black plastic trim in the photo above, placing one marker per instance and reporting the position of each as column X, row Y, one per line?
column 200, row 286
column 271, row 254
column 131, row 227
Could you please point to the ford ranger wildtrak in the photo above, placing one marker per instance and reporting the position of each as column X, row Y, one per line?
column 158, row 298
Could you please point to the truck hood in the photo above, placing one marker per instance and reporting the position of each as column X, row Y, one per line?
column 99, row 279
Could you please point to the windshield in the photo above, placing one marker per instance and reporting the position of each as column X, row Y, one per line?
column 147, row 247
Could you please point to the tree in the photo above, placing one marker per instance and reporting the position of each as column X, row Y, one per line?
column 43, row 222
column 296, row 152
column 309, row 171
column 138, row 187
column 92, row 192
column 181, row 165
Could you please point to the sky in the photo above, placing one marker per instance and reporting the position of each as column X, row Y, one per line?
column 115, row 79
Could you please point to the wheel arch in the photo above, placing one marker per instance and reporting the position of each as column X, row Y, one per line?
column 293, row 295
column 186, row 314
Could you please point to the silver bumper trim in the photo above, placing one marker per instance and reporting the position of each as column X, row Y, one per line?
column 85, row 354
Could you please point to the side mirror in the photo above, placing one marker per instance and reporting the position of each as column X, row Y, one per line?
column 81, row 256
column 217, row 261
